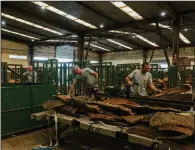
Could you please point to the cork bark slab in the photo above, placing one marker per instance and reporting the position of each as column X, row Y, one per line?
column 161, row 118
column 52, row 104
column 117, row 109
column 185, row 130
column 132, row 119
column 173, row 91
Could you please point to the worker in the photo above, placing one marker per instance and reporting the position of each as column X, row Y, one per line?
column 29, row 75
column 138, row 79
column 88, row 76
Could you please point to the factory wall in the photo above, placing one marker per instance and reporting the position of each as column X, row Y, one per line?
column 137, row 56
column 45, row 52
column 92, row 56
column 124, row 57
column 66, row 52
column 42, row 52
column 14, row 48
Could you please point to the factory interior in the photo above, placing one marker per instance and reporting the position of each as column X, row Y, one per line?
column 97, row 75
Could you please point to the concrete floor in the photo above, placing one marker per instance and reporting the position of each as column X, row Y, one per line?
column 75, row 140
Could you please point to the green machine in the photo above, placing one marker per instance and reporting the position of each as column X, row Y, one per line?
column 186, row 73
column 122, row 70
column 20, row 100
column 66, row 76
column 104, row 71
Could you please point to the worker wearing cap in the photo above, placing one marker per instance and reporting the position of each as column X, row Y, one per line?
column 29, row 74
column 88, row 76
column 138, row 79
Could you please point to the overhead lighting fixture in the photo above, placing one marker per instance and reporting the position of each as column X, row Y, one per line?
column 181, row 36
column 163, row 14
column 32, row 40
column 186, row 29
column 162, row 26
column 145, row 40
column 57, row 11
column 114, row 31
column 61, row 41
column 184, row 39
column 43, row 7
column 138, row 36
column 99, row 47
column 127, row 10
column 30, row 23
column 74, row 36
column 110, row 40
column 19, row 34
column 3, row 22
column 101, row 26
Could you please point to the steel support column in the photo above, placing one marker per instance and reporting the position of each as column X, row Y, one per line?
column 88, row 47
column 151, row 56
column 31, row 53
column 74, row 54
column 81, row 47
column 100, row 57
column 176, row 29
column 163, row 45
column 145, row 53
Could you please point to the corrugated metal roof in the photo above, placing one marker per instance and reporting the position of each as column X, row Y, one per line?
column 95, row 13
column 108, row 9
column 9, row 35
column 23, row 26
column 126, row 43
column 51, row 17
column 183, row 5
column 146, row 9
column 100, row 45
column 22, row 32
column 30, row 19
column 81, row 12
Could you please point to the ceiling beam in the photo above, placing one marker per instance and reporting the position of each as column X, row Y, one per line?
column 163, row 45
column 149, row 31
column 32, row 32
column 167, row 8
column 54, row 37
column 128, row 24
column 101, row 14
column 14, row 10
column 108, row 46
column 127, row 40
column 15, row 39
column 192, row 25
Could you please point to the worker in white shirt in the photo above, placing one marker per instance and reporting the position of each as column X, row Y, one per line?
column 138, row 79
column 29, row 75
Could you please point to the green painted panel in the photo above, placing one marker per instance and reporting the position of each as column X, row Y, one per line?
column 19, row 101
column 15, row 121
column 15, row 97
column 42, row 93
